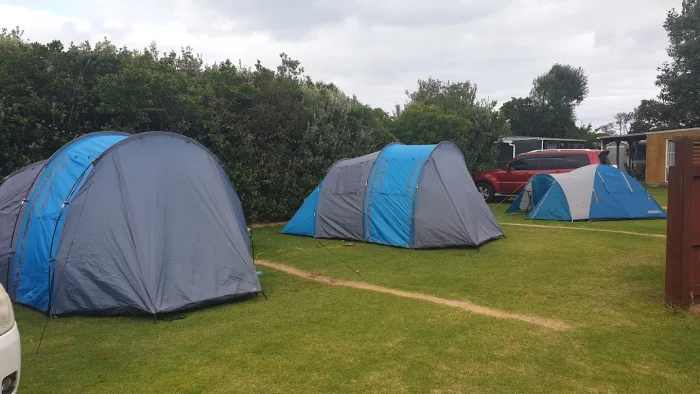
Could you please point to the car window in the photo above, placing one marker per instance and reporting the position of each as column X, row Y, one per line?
column 576, row 161
column 523, row 164
column 551, row 163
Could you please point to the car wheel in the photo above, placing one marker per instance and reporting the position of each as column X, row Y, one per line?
column 486, row 191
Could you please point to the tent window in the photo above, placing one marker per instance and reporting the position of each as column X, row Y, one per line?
column 348, row 179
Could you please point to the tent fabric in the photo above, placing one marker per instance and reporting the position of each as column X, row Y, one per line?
column 461, row 207
column 157, row 227
column 39, row 221
column 415, row 196
column 594, row 192
column 13, row 194
column 114, row 224
column 394, row 178
column 340, row 210
column 304, row 223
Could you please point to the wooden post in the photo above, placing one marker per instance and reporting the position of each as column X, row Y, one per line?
column 683, row 226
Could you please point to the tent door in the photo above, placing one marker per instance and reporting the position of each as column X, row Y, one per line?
column 390, row 200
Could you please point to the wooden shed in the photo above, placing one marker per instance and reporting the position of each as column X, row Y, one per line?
column 660, row 151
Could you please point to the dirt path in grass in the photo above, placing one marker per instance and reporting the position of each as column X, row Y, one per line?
column 585, row 229
column 464, row 305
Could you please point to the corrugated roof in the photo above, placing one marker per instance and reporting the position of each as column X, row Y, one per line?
column 641, row 136
column 513, row 138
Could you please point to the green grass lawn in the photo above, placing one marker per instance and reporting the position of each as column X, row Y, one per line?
column 310, row 337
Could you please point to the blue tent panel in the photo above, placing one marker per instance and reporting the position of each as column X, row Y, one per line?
column 389, row 202
column 552, row 206
column 40, row 227
column 304, row 221
column 618, row 196
column 535, row 189
column 540, row 185
column 515, row 206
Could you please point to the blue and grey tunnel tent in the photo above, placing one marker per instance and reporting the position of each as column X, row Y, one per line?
column 415, row 196
column 114, row 223
column 593, row 192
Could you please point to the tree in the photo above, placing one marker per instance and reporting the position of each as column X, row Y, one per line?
column 652, row 115
column 606, row 129
column 622, row 122
column 549, row 111
column 524, row 116
column 563, row 86
column 679, row 79
column 439, row 111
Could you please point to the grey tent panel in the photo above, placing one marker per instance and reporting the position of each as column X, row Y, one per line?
column 444, row 205
column 436, row 221
column 340, row 212
column 13, row 191
column 157, row 227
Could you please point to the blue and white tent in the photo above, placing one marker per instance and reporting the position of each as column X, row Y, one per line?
column 594, row 192
column 414, row 196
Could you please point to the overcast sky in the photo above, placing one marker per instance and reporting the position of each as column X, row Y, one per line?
column 377, row 49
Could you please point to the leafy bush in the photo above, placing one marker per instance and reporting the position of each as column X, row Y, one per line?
column 276, row 131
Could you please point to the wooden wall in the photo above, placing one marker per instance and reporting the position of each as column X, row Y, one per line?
column 656, row 154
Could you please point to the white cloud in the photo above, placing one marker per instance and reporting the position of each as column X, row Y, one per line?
column 377, row 49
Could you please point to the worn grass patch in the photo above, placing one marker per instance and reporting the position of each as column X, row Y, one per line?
column 313, row 337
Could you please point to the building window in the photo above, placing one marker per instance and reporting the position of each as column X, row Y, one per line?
column 552, row 145
column 670, row 155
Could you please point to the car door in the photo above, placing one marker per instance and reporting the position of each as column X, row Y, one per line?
column 519, row 171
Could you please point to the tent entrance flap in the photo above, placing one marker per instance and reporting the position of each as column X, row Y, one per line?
column 340, row 212
column 391, row 193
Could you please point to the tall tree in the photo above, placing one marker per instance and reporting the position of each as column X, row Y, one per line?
column 549, row 111
column 524, row 116
column 679, row 79
column 652, row 115
column 562, row 87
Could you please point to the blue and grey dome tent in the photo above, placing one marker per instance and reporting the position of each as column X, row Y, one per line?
column 114, row 224
column 593, row 192
column 415, row 196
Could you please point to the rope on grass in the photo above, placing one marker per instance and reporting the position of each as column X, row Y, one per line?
column 586, row 229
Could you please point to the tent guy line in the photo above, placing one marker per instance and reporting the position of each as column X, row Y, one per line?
column 263, row 225
column 585, row 229
column 552, row 324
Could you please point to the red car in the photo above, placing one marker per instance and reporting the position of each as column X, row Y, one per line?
column 510, row 180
